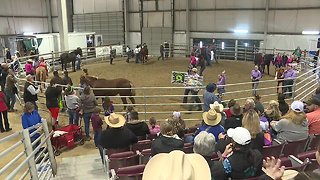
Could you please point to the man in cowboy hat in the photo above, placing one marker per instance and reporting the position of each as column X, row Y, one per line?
column 211, row 123
column 116, row 136
column 313, row 107
column 30, row 93
column 177, row 165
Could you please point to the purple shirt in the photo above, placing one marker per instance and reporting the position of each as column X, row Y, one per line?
column 221, row 81
column 256, row 74
column 289, row 74
column 96, row 122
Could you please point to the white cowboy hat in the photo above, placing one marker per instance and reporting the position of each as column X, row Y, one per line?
column 211, row 117
column 216, row 106
column 177, row 165
column 115, row 120
column 29, row 60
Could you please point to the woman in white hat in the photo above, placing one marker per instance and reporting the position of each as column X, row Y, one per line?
column 239, row 160
column 293, row 126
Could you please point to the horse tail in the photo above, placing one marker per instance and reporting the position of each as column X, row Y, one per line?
column 133, row 91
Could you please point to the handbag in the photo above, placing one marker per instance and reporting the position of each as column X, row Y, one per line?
column 267, row 138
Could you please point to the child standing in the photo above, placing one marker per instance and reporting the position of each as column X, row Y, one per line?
column 221, row 83
column 193, row 60
column 107, row 105
column 128, row 113
column 96, row 124
column 154, row 128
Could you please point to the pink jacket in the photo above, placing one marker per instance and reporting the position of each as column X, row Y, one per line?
column 154, row 130
column 28, row 68
column 193, row 60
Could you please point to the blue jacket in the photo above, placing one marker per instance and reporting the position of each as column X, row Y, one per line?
column 215, row 130
column 31, row 119
column 209, row 98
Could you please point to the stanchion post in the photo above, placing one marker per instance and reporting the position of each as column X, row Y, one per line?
column 49, row 147
column 29, row 150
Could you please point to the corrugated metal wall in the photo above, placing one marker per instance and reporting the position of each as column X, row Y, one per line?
column 109, row 25
column 154, row 36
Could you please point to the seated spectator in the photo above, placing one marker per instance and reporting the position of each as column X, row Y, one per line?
column 204, row 144
column 240, row 161
column 251, row 121
column 211, row 124
column 177, row 165
column 293, row 126
column 313, row 117
column 154, row 128
column 116, row 136
column 138, row 127
column 231, row 103
column 249, row 104
column 283, row 106
column 258, row 104
column 219, row 109
column 167, row 141
column 235, row 120
column 128, row 113
column 273, row 113
column 178, row 124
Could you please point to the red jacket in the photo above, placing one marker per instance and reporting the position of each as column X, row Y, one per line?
column 3, row 106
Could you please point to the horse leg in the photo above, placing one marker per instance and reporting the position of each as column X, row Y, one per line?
column 74, row 66
column 124, row 101
column 133, row 101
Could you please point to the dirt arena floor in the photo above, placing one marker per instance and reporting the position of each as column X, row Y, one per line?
column 153, row 74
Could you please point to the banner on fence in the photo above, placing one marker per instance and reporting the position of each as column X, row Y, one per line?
column 178, row 77
column 102, row 51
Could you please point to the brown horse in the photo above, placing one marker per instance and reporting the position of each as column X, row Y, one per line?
column 41, row 75
column 119, row 83
column 144, row 54
column 279, row 78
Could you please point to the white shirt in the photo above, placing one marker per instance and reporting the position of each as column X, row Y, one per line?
column 128, row 49
column 32, row 90
column 136, row 50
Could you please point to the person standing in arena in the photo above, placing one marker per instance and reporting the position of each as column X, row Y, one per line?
column 193, row 81
column 52, row 102
column 255, row 78
column 137, row 54
column 4, row 114
column 10, row 90
column 31, row 91
column 289, row 76
column 161, row 52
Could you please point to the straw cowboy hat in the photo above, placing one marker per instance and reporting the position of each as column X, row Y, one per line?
column 216, row 106
column 115, row 120
column 29, row 60
column 194, row 70
column 177, row 165
column 211, row 117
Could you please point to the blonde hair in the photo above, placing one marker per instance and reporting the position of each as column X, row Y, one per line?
column 251, row 121
column 167, row 129
column 295, row 117
column 273, row 110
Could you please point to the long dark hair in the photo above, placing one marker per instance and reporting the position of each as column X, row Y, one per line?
column 246, row 151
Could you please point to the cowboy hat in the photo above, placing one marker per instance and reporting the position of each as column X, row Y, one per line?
column 115, row 120
column 236, row 109
column 29, row 60
column 216, row 106
column 194, row 69
column 211, row 117
column 177, row 165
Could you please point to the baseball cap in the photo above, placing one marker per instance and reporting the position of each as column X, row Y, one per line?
column 297, row 106
column 240, row 135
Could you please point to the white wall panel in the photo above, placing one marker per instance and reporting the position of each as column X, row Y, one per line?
column 153, row 19
column 205, row 4
column 180, row 21
column 133, row 5
column 149, row 5
column 54, row 8
column 294, row 3
column 55, row 25
column 282, row 21
column 308, row 20
column 94, row 6
column 180, row 4
column 134, row 22
column 21, row 25
column 164, row 4
column 134, row 39
column 23, row 8
column 167, row 22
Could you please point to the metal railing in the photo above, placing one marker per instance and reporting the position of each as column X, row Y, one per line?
column 39, row 162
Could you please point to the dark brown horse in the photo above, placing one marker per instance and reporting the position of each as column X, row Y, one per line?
column 119, row 83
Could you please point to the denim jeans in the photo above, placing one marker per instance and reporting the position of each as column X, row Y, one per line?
column 96, row 137
column 86, row 118
column 255, row 86
column 11, row 99
column 78, row 63
column 73, row 116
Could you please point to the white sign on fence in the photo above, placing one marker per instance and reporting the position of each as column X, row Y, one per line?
column 178, row 77
column 105, row 51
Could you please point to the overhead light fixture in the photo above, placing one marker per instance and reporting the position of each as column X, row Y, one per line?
column 246, row 44
column 28, row 33
column 200, row 44
column 241, row 31
column 222, row 45
column 310, row 32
